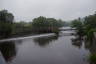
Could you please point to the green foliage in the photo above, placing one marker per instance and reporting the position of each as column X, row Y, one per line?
column 90, row 34
column 86, row 26
column 92, row 58
column 78, row 25
column 61, row 23
column 43, row 24
column 6, row 20
column 5, row 16
column 21, row 28
column 90, row 26
column 90, row 21
column 39, row 22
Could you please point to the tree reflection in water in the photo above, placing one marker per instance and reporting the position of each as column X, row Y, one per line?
column 89, row 45
column 77, row 41
column 43, row 41
column 8, row 50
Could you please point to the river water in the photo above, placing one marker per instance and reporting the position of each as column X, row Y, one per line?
column 49, row 49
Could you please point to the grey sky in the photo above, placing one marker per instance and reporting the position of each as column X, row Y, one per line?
column 59, row 9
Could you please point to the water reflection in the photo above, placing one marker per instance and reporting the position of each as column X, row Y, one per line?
column 8, row 50
column 89, row 45
column 77, row 41
column 27, row 53
column 43, row 41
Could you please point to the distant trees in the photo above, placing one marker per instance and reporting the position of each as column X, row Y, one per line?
column 6, row 21
column 90, row 21
column 38, row 25
column 22, row 28
column 78, row 24
column 43, row 24
column 87, row 25
column 90, row 25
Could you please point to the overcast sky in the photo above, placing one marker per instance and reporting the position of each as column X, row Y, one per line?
column 59, row 9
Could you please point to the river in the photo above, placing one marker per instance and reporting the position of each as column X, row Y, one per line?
column 49, row 49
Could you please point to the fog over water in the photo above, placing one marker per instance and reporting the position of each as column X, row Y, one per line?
column 59, row 9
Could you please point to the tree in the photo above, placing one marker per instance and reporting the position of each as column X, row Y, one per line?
column 22, row 28
column 78, row 25
column 40, row 24
column 43, row 24
column 90, row 26
column 6, row 20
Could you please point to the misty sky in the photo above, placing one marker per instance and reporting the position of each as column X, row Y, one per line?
column 60, row 9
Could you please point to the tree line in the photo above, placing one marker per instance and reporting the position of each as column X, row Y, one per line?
column 85, row 26
column 9, row 27
column 86, row 29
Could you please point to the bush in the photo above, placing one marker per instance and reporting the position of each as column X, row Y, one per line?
column 90, row 34
column 92, row 58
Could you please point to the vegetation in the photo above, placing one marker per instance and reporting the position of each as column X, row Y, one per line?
column 85, row 26
column 38, row 25
column 43, row 24
column 6, row 21
column 90, row 25
column 22, row 28
column 78, row 24
column 92, row 58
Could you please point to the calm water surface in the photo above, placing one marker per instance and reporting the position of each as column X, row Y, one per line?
column 45, row 50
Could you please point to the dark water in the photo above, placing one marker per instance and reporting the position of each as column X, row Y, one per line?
column 46, row 50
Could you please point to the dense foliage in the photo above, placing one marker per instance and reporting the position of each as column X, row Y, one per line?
column 21, row 28
column 78, row 24
column 37, row 25
column 43, row 24
column 86, row 26
column 90, row 25
column 6, row 21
